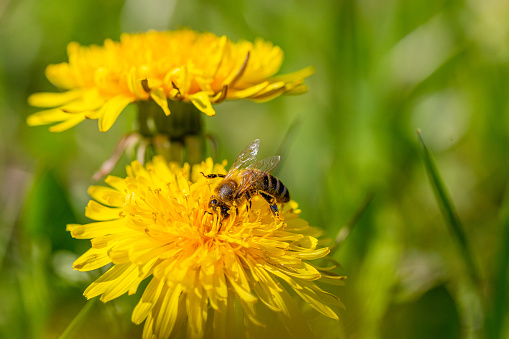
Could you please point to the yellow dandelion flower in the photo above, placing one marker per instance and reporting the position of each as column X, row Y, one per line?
column 183, row 65
column 154, row 225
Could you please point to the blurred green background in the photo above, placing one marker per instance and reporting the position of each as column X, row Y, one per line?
column 383, row 69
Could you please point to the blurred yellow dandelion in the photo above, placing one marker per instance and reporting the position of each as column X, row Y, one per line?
column 154, row 224
column 183, row 65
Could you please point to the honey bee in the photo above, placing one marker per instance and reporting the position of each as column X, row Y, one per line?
column 246, row 178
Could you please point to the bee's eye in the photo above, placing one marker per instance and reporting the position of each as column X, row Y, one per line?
column 213, row 202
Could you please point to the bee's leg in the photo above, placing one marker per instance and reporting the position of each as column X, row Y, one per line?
column 272, row 203
column 248, row 200
column 220, row 223
column 212, row 176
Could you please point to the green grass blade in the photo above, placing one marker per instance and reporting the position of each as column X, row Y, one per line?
column 496, row 314
column 78, row 320
column 448, row 210
column 345, row 231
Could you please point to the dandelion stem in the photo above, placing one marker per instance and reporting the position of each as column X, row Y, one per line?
column 178, row 137
column 448, row 210
column 78, row 320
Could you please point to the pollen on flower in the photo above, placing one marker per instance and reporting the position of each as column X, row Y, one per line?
column 155, row 224
column 183, row 65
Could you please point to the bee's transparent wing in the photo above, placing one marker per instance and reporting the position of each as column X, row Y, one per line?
column 266, row 165
column 246, row 158
column 263, row 166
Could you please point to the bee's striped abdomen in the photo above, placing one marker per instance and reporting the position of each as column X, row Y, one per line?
column 274, row 187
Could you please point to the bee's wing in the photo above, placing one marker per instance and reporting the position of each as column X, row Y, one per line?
column 263, row 166
column 266, row 165
column 246, row 158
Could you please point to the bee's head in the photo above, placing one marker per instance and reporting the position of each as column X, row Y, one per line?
column 219, row 206
column 213, row 203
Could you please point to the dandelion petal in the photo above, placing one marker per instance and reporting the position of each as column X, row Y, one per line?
column 110, row 111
